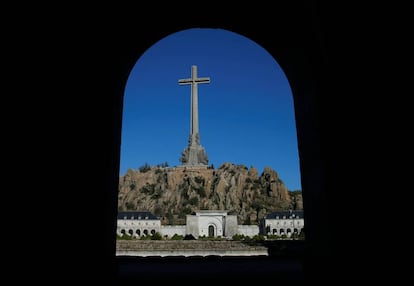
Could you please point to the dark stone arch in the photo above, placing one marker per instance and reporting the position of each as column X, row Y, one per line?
column 105, row 53
column 300, row 74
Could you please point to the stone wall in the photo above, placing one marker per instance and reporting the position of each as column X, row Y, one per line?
column 170, row 230
column 248, row 230
column 187, row 248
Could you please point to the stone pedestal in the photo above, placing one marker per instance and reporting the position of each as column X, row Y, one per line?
column 194, row 155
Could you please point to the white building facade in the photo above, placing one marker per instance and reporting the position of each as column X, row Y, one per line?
column 210, row 223
column 283, row 223
column 137, row 224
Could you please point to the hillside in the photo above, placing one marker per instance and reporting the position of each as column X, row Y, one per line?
column 171, row 193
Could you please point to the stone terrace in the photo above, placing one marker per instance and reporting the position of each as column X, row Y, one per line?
column 187, row 248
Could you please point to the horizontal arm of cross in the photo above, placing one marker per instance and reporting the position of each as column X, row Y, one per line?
column 191, row 81
column 185, row 81
column 203, row 80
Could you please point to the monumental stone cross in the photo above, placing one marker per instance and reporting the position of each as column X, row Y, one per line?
column 194, row 154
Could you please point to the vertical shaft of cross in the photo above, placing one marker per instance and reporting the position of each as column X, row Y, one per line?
column 194, row 81
column 194, row 102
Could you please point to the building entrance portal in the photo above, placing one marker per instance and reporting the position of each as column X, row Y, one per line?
column 211, row 231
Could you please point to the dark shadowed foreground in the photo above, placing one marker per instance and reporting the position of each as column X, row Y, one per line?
column 284, row 263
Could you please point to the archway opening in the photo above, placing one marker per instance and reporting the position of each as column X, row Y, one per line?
column 211, row 232
column 236, row 117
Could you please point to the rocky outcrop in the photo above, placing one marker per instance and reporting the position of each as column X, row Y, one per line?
column 172, row 193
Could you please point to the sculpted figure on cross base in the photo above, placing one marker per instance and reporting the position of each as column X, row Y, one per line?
column 202, row 157
column 184, row 156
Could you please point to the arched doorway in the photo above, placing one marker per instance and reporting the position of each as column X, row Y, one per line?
column 211, row 231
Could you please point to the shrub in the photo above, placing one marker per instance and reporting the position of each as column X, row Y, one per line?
column 145, row 168
column 156, row 236
column 177, row 237
column 193, row 201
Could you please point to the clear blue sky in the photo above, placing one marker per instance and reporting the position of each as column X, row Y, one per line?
column 246, row 113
